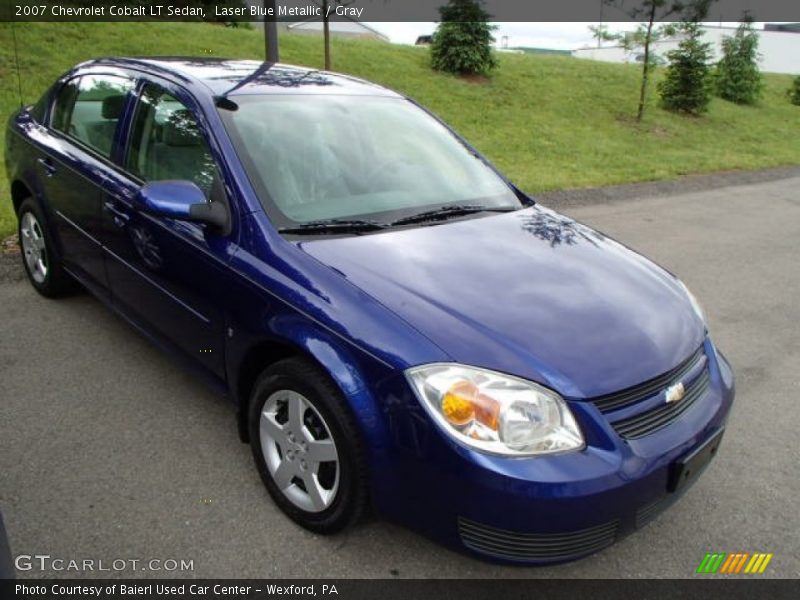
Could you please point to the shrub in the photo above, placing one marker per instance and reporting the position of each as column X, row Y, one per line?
column 462, row 43
column 794, row 91
column 737, row 77
column 686, row 83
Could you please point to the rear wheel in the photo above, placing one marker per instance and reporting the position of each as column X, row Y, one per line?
column 306, row 446
column 39, row 256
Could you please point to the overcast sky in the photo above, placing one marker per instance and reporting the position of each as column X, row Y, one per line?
column 559, row 36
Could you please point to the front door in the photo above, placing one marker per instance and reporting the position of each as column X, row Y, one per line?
column 168, row 275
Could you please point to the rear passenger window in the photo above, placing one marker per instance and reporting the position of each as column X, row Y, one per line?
column 90, row 110
column 166, row 142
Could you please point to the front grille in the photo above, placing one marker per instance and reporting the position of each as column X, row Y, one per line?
column 646, row 423
column 649, row 388
column 512, row 545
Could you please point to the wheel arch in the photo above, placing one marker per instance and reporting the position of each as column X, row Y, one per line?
column 19, row 192
column 301, row 341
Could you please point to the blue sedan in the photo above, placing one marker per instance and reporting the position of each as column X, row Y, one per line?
column 397, row 326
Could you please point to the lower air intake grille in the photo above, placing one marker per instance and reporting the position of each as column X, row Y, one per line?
column 650, row 511
column 511, row 545
column 646, row 423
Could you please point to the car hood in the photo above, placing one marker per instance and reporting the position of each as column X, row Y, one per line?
column 531, row 293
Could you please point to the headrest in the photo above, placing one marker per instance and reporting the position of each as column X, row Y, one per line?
column 112, row 106
column 181, row 130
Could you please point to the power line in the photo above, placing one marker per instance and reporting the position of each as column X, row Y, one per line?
column 16, row 61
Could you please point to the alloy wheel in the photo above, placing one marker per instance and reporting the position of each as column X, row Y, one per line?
column 33, row 247
column 299, row 451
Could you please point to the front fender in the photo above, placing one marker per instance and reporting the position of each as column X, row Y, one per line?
column 351, row 369
column 321, row 345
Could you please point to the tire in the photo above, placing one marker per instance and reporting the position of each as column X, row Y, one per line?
column 287, row 467
column 40, row 257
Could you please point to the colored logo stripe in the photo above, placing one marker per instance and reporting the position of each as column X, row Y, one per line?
column 723, row 563
column 711, row 562
column 734, row 563
column 758, row 563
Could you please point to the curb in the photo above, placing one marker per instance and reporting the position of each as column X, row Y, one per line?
column 651, row 189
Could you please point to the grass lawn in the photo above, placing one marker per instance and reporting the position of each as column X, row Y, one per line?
column 549, row 122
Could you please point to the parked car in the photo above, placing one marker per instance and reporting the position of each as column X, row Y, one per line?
column 655, row 59
column 396, row 324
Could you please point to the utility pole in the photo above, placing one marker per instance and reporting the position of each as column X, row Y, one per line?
column 599, row 36
column 271, row 31
column 326, row 34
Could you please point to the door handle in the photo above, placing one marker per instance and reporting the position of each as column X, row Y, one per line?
column 48, row 166
column 119, row 217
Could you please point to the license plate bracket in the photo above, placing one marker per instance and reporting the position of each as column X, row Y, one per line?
column 685, row 470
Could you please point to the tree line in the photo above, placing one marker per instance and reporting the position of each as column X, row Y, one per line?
column 463, row 41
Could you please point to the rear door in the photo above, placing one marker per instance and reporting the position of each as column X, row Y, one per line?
column 84, row 124
column 169, row 275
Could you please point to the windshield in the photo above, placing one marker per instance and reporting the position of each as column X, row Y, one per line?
column 316, row 158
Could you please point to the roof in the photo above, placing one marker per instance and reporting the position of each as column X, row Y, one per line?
column 239, row 77
column 349, row 25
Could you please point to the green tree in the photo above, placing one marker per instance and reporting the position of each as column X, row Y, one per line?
column 686, row 85
column 651, row 12
column 633, row 40
column 737, row 76
column 794, row 91
column 602, row 34
column 463, row 40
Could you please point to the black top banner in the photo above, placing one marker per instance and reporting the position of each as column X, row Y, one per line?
column 386, row 10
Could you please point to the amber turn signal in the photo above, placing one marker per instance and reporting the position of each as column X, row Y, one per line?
column 457, row 405
column 464, row 402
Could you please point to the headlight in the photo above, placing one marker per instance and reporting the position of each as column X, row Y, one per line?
column 496, row 413
column 698, row 309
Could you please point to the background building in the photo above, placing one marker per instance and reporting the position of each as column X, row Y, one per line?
column 346, row 29
column 779, row 46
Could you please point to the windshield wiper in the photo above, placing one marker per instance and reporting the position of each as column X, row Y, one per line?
column 333, row 226
column 443, row 212
column 364, row 225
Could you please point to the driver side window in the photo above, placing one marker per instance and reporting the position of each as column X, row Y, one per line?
column 166, row 142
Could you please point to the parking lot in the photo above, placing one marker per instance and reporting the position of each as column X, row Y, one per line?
column 111, row 452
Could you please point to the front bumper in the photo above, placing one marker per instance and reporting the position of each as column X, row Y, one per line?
column 548, row 509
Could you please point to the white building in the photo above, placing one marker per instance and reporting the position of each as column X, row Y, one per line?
column 779, row 50
column 349, row 28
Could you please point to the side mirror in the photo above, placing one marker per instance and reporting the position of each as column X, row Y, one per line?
column 182, row 200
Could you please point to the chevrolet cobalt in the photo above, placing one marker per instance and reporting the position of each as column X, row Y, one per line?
column 397, row 326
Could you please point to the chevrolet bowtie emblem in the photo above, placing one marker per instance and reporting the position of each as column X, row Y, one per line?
column 675, row 393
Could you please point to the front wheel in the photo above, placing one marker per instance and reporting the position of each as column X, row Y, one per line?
column 306, row 446
column 39, row 256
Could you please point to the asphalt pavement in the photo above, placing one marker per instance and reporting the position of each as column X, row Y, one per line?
column 108, row 451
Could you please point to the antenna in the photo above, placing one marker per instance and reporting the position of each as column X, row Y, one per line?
column 16, row 60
